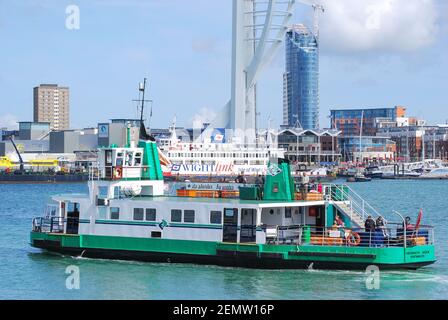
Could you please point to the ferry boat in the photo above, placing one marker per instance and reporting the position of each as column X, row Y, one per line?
column 130, row 213
column 214, row 156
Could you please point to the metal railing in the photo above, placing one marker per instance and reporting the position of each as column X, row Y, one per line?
column 96, row 172
column 48, row 225
column 346, row 198
column 393, row 235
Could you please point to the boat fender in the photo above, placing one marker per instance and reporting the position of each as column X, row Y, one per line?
column 353, row 239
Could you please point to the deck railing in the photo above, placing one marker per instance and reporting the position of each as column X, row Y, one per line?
column 393, row 235
column 354, row 205
column 48, row 224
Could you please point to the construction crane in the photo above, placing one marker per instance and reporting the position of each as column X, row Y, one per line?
column 318, row 9
column 21, row 170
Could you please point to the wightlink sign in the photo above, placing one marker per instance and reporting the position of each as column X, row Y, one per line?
column 220, row 169
column 172, row 189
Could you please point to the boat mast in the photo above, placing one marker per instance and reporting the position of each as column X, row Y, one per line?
column 423, row 147
column 360, row 136
column 143, row 134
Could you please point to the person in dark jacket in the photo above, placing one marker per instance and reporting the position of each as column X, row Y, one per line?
column 240, row 178
column 369, row 225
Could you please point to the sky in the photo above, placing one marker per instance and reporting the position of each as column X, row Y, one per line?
column 374, row 53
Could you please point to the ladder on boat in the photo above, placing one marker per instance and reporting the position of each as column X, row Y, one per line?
column 351, row 204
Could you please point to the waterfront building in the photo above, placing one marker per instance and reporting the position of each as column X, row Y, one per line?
column 409, row 142
column 310, row 146
column 367, row 149
column 73, row 141
column 32, row 137
column 301, row 79
column 349, row 120
column 6, row 133
column 33, row 130
column 51, row 104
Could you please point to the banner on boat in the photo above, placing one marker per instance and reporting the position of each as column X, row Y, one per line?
column 219, row 169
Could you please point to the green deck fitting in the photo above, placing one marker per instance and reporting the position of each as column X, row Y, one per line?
column 249, row 193
column 279, row 184
column 151, row 161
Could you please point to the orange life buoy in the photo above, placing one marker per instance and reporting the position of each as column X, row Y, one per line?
column 353, row 239
column 118, row 172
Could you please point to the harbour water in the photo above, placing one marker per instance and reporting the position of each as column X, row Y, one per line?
column 28, row 273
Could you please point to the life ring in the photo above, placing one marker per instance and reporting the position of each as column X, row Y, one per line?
column 353, row 239
column 118, row 172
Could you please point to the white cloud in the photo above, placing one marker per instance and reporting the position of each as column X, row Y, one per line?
column 378, row 25
column 9, row 121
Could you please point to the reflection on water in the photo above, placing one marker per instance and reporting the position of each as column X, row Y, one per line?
column 29, row 273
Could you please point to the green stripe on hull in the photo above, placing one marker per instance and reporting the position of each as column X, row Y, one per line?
column 391, row 255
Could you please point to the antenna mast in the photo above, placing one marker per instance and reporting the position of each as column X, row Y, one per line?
column 142, row 88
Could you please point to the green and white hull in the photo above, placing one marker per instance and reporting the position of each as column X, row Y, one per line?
column 237, row 255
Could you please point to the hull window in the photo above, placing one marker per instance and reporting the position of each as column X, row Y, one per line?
column 215, row 217
column 176, row 215
column 151, row 215
column 138, row 214
column 115, row 213
column 189, row 216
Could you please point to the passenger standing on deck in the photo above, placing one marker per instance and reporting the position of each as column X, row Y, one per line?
column 240, row 178
column 259, row 181
column 408, row 225
column 369, row 225
column 304, row 186
column 381, row 225
column 320, row 188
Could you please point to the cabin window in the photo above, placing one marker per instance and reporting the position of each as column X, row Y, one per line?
column 102, row 213
column 215, row 217
column 288, row 213
column 119, row 161
column 138, row 214
column 189, row 216
column 138, row 159
column 176, row 215
column 102, row 192
column 150, row 214
column 115, row 213
column 117, row 193
column 128, row 161
column 108, row 157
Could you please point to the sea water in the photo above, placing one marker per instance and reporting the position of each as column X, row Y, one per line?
column 29, row 273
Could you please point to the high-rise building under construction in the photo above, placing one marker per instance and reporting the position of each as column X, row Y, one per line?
column 301, row 79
